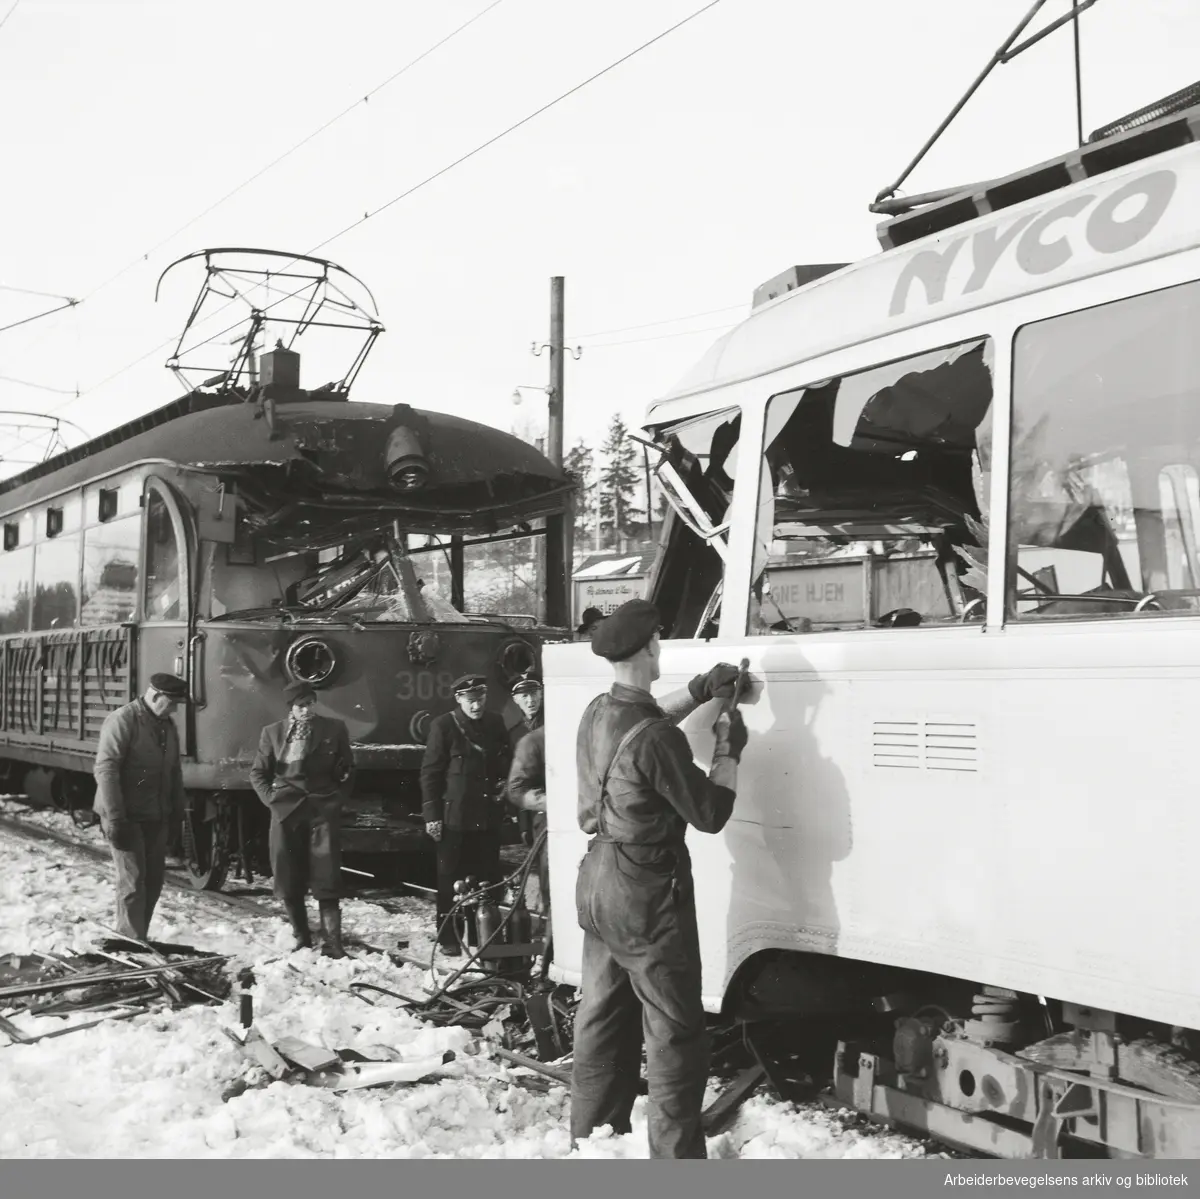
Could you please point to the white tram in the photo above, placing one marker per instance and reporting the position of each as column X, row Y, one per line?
column 946, row 501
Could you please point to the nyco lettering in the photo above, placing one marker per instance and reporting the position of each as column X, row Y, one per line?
column 1042, row 242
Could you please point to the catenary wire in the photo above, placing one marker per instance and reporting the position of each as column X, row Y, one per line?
column 428, row 179
column 292, row 149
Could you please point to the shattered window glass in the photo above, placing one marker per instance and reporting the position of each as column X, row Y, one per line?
column 1104, row 506
column 872, row 509
column 697, row 474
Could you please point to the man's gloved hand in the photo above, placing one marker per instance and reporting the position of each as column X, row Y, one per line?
column 434, row 829
column 730, row 731
column 120, row 834
column 718, row 683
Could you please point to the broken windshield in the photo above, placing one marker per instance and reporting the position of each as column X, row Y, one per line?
column 873, row 494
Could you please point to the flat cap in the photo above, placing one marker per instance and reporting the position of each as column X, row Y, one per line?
column 529, row 681
column 170, row 686
column 469, row 682
column 590, row 617
column 622, row 633
column 294, row 691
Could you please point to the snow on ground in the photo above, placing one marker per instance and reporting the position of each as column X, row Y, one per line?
column 151, row 1086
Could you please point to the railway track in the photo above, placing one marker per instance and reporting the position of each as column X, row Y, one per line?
column 260, row 905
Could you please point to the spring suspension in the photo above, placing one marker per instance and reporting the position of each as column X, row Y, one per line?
column 995, row 1017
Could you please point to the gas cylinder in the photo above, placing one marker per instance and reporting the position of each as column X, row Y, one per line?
column 487, row 919
column 519, row 932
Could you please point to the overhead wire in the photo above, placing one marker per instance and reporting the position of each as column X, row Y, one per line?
column 491, row 141
column 144, row 256
column 671, row 320
column 13, row 9
column 629, row 341
column 296, row 146
column 434, row 176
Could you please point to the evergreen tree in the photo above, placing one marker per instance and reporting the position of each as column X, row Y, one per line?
column 618, row 481
column 580, row 463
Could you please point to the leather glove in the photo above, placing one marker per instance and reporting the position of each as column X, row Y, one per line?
column 434, row 829
column 120, row 834
column 718, row 683
column 730, row 731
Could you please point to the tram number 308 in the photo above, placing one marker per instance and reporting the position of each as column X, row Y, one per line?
column 423, row 685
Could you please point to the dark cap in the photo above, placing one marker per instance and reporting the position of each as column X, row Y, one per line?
column 529, row 681
column 590, row 617
column 467, row 683
column 170, row 686
column 627, row 630
column 294, row 691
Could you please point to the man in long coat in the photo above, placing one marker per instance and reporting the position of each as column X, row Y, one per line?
column 638, row 790
column 463, row 776
column 139, row 796
column 303, row 771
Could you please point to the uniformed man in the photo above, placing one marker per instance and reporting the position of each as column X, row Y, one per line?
column 303, row 770
column 139, row 796
column 639, row 789
column 527, row 695
column 463, row 775
column 527, row 775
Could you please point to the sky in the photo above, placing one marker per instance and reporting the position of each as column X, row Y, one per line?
column 750, row 139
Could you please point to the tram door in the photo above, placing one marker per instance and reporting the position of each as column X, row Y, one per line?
column 163, row 636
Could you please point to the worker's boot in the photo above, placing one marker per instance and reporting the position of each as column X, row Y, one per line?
column 331, row 929
column 297, row 913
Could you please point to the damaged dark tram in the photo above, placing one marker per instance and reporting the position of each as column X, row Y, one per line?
column 244, row 540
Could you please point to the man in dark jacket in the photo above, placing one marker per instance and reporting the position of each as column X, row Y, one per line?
column 462, row 790
column 303, row 770
column 139, row 797
column 527, row 696
column 638, row 790
column 527, row 793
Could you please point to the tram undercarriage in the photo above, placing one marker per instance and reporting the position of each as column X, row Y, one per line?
column 981, row 1068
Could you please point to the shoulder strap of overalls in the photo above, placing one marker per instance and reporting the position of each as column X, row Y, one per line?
column 622, row 746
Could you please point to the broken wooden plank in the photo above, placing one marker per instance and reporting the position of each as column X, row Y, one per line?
column 519, row 1059
column 256, row 1046
column 81, row 981
column 308, row 1057
column 723, row 1110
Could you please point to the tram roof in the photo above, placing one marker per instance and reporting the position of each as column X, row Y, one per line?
column 1103, row 220
column 219, row 432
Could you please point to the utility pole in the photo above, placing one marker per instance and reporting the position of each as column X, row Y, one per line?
column 559, row 529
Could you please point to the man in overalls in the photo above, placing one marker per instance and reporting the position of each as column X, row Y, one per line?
column 463, row 775
column 302, row 771
column 639, row 789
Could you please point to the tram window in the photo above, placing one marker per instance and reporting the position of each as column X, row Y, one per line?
column 873, row 496
column 110, row 569
column 12, row 535
column 16, row 578
column 163, row 566
column 56, row 582
column 702, row 455
column 54, row 521
column 107, row 503
column 1105, row 452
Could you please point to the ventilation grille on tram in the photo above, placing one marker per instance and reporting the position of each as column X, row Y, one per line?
column 925, row 744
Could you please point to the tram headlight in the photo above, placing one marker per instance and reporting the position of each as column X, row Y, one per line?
column 404, row 460
column 311, row 660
